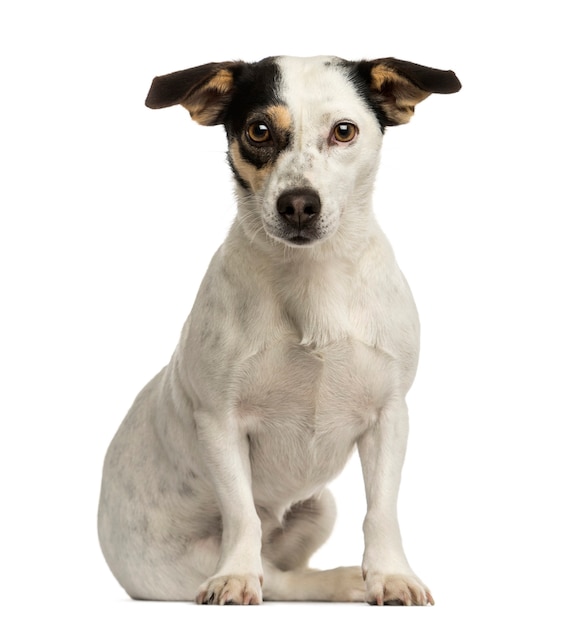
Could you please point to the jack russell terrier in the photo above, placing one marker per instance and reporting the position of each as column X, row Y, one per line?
column 301, row 346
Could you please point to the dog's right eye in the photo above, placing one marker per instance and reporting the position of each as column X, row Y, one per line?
column 258, row 132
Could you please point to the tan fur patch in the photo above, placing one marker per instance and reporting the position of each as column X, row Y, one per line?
column 399, row 95
column 222, row 82
column 206, row 103
column 199, row 112
column 380, row 75
column 280, row 117
column 253, row 176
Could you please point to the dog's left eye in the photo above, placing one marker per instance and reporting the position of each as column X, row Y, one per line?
column 343, row 132
column 258, row 132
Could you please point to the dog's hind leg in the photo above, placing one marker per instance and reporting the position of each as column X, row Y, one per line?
column 342, row 584
column 286, row 552
column 304, row 529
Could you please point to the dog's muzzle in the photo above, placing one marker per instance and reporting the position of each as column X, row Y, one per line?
column 299, row 210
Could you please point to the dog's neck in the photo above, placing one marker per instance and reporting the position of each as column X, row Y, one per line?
column 320, row 289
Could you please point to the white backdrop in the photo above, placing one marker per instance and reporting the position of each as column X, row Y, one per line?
column 110, row 213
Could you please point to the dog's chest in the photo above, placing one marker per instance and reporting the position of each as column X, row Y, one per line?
column 303, row 409
column 305, row 363
column 321, row 384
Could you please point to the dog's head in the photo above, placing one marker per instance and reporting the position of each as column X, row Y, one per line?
column 304, row 133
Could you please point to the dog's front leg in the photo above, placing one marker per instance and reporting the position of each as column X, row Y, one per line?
column 388, row 576
column 239, row 573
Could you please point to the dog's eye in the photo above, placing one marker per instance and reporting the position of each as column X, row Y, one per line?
column 343, row 132
column 258, row 132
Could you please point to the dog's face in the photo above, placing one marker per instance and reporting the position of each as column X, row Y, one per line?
column 305, row 149
column 304, row 133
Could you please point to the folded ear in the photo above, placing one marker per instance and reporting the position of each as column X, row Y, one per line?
column 397, row 86
column 204, row 91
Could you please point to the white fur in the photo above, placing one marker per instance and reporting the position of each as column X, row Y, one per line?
column 290, row 358
column 319, row 97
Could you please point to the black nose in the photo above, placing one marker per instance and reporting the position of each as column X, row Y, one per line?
column 299, row 207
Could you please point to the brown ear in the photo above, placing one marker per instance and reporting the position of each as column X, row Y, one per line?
column 397, row 86
column 204, row 91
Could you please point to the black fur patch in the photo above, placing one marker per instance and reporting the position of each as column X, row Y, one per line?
column 256, row 89
column 360, row 77
column 243, row 183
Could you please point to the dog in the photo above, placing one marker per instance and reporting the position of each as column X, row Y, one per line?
column 300, row 348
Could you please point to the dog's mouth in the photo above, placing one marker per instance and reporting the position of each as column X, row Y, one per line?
column 299, row 240
column 294, row 237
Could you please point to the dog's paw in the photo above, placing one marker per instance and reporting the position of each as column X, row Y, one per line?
column 345, row 584
column 397, row 589
column 230, row 590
